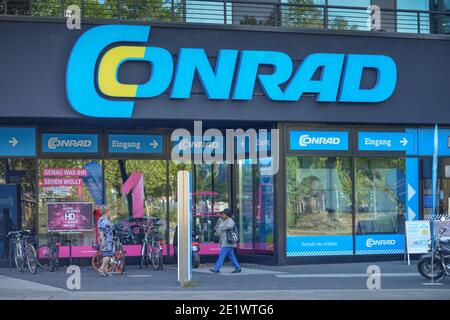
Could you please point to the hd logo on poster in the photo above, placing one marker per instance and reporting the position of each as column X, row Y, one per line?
column 93, row 88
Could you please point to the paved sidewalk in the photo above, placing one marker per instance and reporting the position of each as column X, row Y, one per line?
column 337, row 281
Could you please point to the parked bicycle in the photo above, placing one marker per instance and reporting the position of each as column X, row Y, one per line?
column 116, row 263
column 50, row 258
column 24, row 251
column 152, row 247
column 129, row 235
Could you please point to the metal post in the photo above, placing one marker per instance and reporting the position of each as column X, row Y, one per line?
column 172, row 8
column 62, row 9
column 184, row 246
column 168, row 206
column 418, row 22
column 118, row 9
column 275, row 15
column 70, row 251
column 5, row 7
column 224, row 12
column 83, row 8
column 325, row 15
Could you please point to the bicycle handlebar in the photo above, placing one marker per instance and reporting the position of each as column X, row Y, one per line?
column 20, row 232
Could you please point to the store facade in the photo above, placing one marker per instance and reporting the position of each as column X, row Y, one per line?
column 87, row 118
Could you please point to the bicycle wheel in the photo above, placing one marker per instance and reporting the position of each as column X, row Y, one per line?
column 44, row 261
column 31, row 259
column 156, row 257
column 120, row 264
column 97, row 261
column 144, row 256
column 18, row 257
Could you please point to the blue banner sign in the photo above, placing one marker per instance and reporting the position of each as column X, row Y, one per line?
column 318, row 140
column 387, row 141
column 94, row 181
column 20, row 142
column 380, row 244
column 301, row 246
column 135, row 143
column 69, row 143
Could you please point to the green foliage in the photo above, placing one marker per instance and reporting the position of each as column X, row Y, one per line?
column 294, row 15
column 149, row 10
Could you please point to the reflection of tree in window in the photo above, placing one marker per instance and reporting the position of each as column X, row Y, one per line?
column 313, row 196
column 319, row 200
column 380, row 195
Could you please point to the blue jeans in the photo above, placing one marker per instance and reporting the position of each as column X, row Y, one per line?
column 224, row 252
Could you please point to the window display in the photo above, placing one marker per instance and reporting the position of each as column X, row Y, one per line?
column 319, row 193
column 68, row 192
column 380, row 195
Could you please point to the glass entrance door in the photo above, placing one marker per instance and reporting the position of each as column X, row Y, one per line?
column 211, row 196
column 255, row 207
column 252, row 203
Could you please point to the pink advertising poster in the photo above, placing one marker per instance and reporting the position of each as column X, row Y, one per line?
column 70, row 216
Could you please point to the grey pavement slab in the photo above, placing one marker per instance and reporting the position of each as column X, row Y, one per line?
column 226, row 271
column 397, row 279
column 343, row 275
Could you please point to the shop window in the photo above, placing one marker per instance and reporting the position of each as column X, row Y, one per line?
column 69, row 190
column 265, row 209
column 255, row 203
column 18, row 193
column 136, row 192
column 380, row 195
column 245, row 197
column 211, row 196
column 319, row 196
column 442, row 188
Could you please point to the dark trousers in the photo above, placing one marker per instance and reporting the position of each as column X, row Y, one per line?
column 5, row 253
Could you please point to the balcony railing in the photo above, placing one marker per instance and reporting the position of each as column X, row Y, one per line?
column 288, row 13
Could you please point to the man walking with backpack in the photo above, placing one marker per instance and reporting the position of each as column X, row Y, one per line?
column 228, row 240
